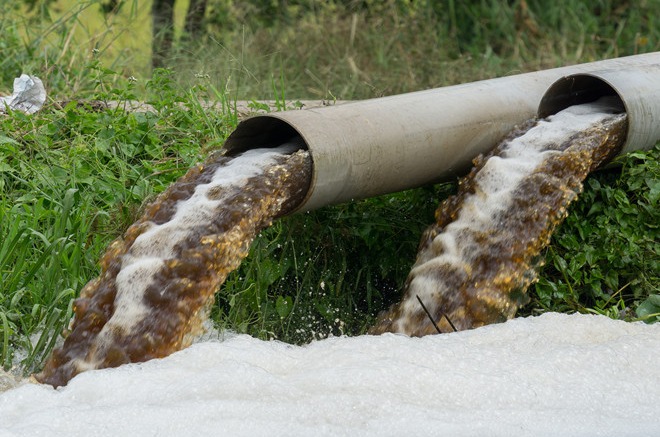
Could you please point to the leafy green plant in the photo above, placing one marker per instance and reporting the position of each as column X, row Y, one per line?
column 649, row 309
column 605, row 257
column 328, row 272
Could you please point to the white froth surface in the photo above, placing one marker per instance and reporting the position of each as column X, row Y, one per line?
column 553, row 375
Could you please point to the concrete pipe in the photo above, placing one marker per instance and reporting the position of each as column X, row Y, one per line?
column 637, row 89
column 389, row 144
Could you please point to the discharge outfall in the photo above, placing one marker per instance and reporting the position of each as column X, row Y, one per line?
column 158, row 280
column 476, row 262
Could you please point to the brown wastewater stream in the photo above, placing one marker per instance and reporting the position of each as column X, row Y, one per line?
column 473, row 267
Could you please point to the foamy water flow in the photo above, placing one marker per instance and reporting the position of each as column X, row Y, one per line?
column 501, row 175
column 158, row 280
column 154, row 247
column 448, row 275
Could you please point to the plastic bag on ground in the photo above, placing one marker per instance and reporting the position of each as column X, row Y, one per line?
column 29, row 95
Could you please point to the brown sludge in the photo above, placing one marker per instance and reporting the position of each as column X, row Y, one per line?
column 179, row 296
column 493, row 286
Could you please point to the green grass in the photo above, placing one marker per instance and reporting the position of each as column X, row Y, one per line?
column 73, row 176
column 605, row 258
column 71, row 180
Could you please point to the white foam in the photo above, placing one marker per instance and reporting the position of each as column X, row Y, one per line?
column 554, row 375
column 132, row 281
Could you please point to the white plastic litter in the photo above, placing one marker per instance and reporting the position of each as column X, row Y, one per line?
column 553, row 375
column 29, row 95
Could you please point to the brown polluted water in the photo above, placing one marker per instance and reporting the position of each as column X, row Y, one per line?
column 158, row 280
column 476, row 262
column 473, row 266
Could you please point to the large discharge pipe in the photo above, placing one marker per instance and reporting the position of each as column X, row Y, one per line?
column 638, row 92
column 389, row 144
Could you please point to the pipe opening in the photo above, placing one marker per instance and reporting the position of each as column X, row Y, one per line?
column 576, row 89
column 269, row 132
column 261, row 132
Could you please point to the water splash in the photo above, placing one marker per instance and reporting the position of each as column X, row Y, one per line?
column 157, row 282
column 475, row 263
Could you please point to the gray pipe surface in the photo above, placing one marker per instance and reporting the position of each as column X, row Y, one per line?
column 389, row 144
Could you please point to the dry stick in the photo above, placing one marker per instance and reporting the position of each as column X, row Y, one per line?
column 435, row 325
column 450, row 323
